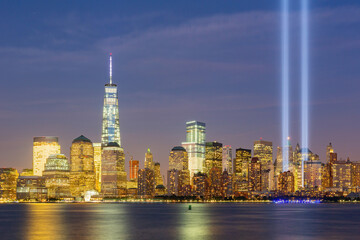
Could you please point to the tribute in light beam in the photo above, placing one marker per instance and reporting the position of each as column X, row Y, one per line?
column 304, row 83
column 285, row 81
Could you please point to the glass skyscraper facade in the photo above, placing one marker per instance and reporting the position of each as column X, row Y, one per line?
column 110, row 123
column 195, row 146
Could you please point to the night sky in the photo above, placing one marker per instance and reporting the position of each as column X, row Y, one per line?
column 174, row 61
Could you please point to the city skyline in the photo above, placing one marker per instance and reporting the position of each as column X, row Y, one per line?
column 146, row 121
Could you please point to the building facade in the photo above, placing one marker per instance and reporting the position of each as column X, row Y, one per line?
column 57, row 176
column 8, row 181
column 97, row 165
column 113, row 174
column 263, row 150
column 213, row 156
column 43, row 147
column 241, row 165
column 82, row 168
column 195, row 146
column 110, row 122
column 227, row 159
column 146, row 183
column 133, row 169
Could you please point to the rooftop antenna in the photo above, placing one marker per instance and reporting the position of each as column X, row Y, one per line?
column 110, row 68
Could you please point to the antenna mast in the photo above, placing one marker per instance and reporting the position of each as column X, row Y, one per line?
column 110, row 68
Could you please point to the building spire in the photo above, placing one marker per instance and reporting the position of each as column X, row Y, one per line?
column 110, row 68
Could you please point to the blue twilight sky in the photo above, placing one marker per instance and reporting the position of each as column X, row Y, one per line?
column 174, row 61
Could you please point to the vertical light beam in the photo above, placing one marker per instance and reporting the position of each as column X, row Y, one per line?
column 285, row 81
column 304, row 82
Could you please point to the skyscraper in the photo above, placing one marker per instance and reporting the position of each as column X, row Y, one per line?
column 243, row 157
column 263, row 150
column 178, row 175
column 110, row 123
column 134, row 168
column 57, row 173
column 254, row 174
column 149, row 163
column 227, row 162
column 329, row 150
column 213, row 156
column 43, row 147
column 146, row 183
column 178, row 159
column 158, row 178
column 8, row 179
column 195, row 146
column 97, row 164
column 82, row 169
column 113, row 174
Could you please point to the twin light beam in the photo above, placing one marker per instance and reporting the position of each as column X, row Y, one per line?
column 304, row 83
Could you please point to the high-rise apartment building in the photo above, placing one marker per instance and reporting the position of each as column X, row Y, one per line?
column 113, row 174
column 82, row 169
column 227, row 159
column 43, row 147
column 110, row 122
column 133, row 169
column 213, row 156
column 195, row 146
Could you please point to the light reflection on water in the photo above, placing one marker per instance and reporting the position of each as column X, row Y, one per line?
column 175, row 221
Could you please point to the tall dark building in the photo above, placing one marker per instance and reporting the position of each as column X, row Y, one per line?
column 213, row 156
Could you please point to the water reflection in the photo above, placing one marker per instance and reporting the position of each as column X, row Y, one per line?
column 44, row 220
column 175, row 221
column 194, row 223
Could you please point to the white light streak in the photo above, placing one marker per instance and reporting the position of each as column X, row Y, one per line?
column 304, row 81
column 285, row 82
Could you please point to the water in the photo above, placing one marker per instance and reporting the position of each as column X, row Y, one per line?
column 174, row 221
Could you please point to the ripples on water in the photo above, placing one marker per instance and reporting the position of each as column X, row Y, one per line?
column 175, row 221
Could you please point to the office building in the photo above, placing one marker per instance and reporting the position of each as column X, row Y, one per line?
column 213, row 156
column 57, row 176
column 195, row 146
column 97, row 165
column 110, row 122
column 149, row 161
column 8, row 180
column 146, row 183
column 82, row 169
column 113, row 174
column 43, row 147
column 227, row 159
column 254, row 170
column 263, row 150
column 241, row 165
column 133, row 169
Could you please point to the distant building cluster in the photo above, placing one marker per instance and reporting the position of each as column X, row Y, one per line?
column 197, row 169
